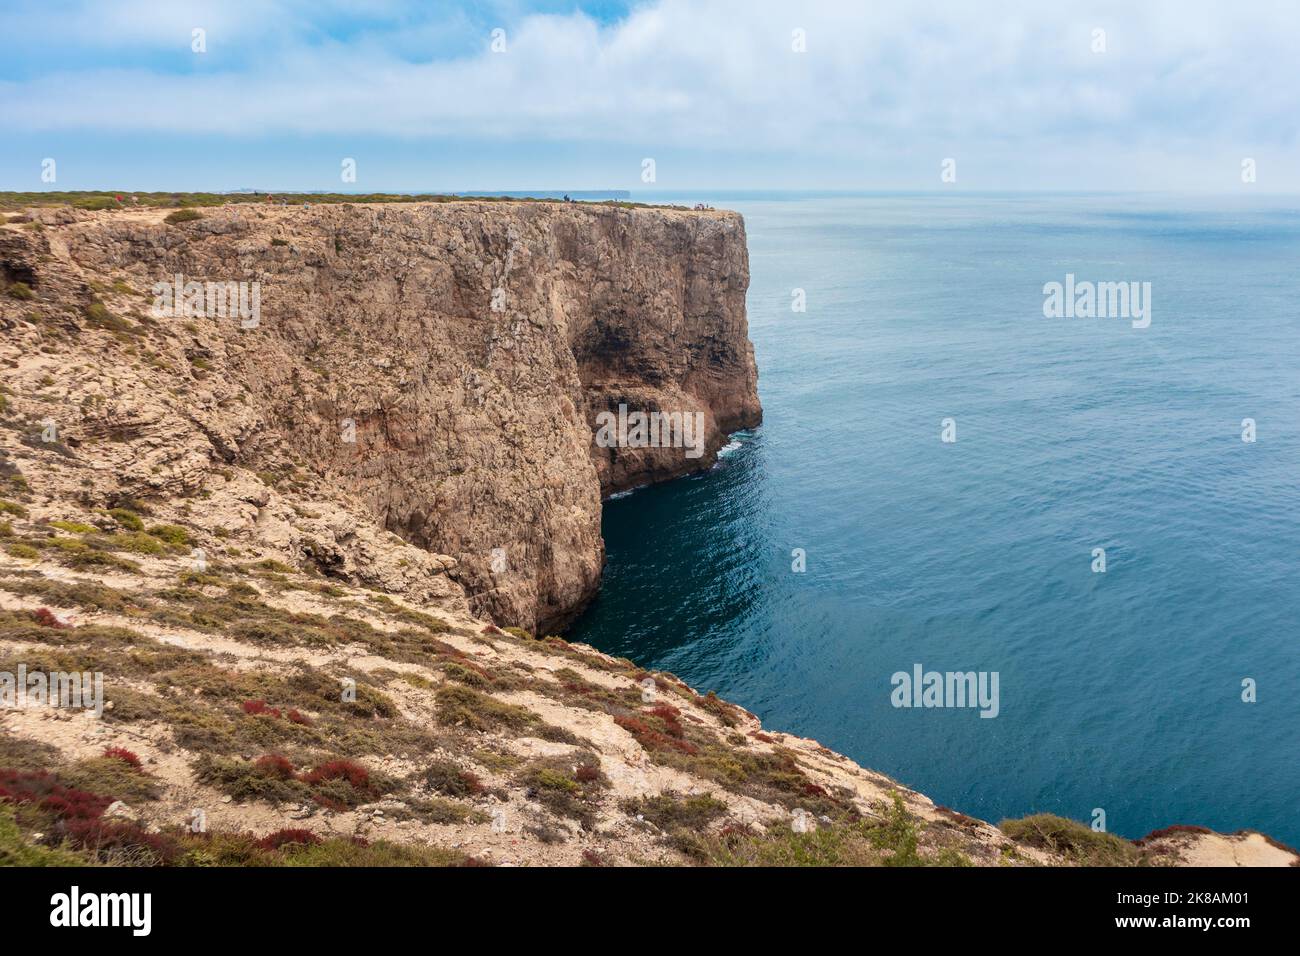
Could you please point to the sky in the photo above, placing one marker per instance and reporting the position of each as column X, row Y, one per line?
column 719, row 94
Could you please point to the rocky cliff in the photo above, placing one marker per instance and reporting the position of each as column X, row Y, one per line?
column 441, row 364
column 275, row 529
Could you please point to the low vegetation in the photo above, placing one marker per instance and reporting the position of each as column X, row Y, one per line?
column 98, row 200
column 1072, row 840
column 567, row 786
column 182, row 215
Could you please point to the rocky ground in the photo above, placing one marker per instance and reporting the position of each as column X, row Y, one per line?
column 295, row 676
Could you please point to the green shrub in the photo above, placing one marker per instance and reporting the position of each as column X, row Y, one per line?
column 438, row 810
column 21, row 290
column 182, row 215
column 567, row 786
column 98, row 316
column 447, row 778
column 127, row 518
column 467, row 707
column 86, row 558
column 136, row 542
column 840, row 845
column 111, row 777
column 16, row 851
column 669, row 811
column 340, row 852
column 897, row 835
column 173, row 534
column 464, row 674
column 277, row 567
column 74, row 527
column 251, row 780
column 70, row 593
column 1069, row 838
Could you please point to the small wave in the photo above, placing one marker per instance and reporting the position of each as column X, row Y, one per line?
column 624, row 493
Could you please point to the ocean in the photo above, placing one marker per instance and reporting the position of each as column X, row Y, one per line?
column 1118, row 690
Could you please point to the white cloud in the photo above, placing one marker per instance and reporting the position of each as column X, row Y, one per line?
column 993, row 82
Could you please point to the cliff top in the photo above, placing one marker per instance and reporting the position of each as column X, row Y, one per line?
column 127, row 201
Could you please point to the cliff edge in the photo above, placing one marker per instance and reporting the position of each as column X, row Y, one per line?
column 265, row 515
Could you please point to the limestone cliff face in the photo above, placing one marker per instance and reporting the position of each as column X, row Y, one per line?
column 441, row 364
column 665, row 330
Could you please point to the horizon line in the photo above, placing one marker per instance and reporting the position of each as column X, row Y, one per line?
column 525, row 192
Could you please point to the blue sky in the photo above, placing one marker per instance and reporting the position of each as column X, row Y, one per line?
column 1020, row 93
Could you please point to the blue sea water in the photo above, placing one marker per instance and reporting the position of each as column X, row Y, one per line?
column 1119, row 690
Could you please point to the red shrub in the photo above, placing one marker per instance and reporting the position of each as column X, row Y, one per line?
column 103, row 837
column 259, row 708
column 652, row 739
column 126, row 756
column 42, row 789
column 454, row 781
column 288, row 837
column 349, row 770
column 669, row 715
column 634, row 726
column 592, row 858
column 586, row 773
column 274, row 765
column 1169, row 831
column 659, row 681
column 760, row 736
column 959, row 818
column 45, row 618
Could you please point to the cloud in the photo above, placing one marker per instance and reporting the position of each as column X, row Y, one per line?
column 998, row 82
